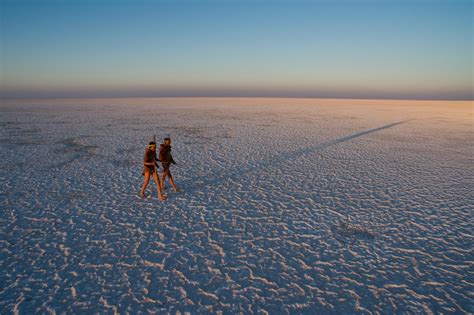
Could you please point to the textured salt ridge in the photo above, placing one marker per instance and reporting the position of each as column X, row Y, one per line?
column 283, row 210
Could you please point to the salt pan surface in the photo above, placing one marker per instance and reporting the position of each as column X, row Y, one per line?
column 287, row 206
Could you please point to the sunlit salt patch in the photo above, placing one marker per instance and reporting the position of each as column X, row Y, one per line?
column 106, row 304
column 214, row 271
column 297, row 289
column 102, row 216
column 127, row 225
column 303, row 265
column 434, row 283
column 208, row 295
column 218, row 249
column 158, row 244
column 419, row 226
column 395, row 286
column 95, row 266
column 15, row 308
column 41, row 250
column 179, row 275
column 64, row 250
column 148, row 263
column 160, row 235
column 262, row 280
column 73, row 292
column 427, row 309
column 182, row 292
column 37, row 219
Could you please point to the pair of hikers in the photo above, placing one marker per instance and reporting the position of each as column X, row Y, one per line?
column 150, row 166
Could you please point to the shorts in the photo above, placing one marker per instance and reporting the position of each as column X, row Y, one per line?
column 148, row 169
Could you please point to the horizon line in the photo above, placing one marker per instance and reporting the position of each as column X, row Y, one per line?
column 236, row 97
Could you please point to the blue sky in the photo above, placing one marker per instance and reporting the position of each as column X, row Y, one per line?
column 343, row 49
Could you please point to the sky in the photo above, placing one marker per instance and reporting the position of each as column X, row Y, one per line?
column 416, row 49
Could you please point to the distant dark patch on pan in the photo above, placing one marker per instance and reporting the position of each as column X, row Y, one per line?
column 346, row 230
column 76, row 148
column 123, row 162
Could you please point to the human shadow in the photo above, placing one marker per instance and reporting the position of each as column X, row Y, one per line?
column 236, row 173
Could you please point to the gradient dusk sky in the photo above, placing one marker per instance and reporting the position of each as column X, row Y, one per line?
column 344, row 49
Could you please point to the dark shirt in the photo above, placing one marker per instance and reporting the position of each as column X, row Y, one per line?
column 165, row 154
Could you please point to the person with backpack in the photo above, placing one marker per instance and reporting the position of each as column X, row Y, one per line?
column 150, row 168
column 166, row 159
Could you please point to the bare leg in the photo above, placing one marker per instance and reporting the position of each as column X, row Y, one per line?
column 163, row 177
column 146, row 179
column 158, row 186
column 172, row 181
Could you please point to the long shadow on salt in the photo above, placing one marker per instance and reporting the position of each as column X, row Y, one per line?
column 236, row 173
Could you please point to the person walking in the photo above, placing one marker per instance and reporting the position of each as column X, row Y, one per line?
column 150, row 168
column 166, row 159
